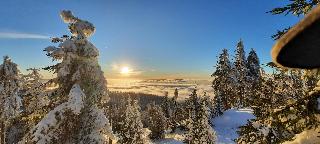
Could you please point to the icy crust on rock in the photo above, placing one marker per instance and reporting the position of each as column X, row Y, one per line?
column 44, row 131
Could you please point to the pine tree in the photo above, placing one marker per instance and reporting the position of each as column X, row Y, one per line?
column 241, row 72
column 282, row 110
column 132, row 130
column 35, row 100
column 157, row 122
column 254, row 78
column 253, row 65
column 309, row 80
column 173, row 120
column 200, row 131
column 191, row 103
column 176, row 94
column 180, row 116
column 218, row 107
column 166, row 105
column 75, row 116
column 223, row 82
column 10, row 101
column 116, row 114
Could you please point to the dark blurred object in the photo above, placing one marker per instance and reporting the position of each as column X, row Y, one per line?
column 300, row 46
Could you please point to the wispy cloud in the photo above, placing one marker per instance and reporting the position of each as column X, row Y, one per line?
column 17, row 35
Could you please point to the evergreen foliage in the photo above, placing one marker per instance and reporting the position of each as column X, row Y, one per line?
column 294, row 7
column 200, row 131
column 223, row 83
column 241, row 72
column 157, row 122
column 10, row 101
column 132, row 128
column 75, row 116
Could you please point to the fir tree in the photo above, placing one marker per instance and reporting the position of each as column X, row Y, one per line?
column 157, row 122
column 75, row 116
column 10, row 101
column 35, row 100
column 191, row 103
column 176, row 94
column 200, row 131
column 254, row 77
column 253, row 65
column 241, row 72
column 223, row 82
column 166, row 105
column 174, row 120
column 218, row 107
column 132, row 129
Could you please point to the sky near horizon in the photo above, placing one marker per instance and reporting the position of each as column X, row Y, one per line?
column 148, row 38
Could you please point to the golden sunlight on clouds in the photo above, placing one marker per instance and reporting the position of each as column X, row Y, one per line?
column 125, row 71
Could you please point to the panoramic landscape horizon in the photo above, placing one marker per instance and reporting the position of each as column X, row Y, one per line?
column 160, row 72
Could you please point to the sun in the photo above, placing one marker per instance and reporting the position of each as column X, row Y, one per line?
column 125, row 70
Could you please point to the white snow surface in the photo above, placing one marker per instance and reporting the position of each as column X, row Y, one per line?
column 172, row 138
column 169, row 141
column 76, row 97
column 226, row 125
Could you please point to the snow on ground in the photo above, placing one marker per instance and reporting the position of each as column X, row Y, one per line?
column 172, row 138
column 226, row 125
column 169, row 141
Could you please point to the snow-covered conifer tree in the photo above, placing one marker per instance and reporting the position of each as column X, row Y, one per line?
column 223, row 83
column 200, row 131
column 254, row 78
column 10, row 101
column 176, row 94
column 241, row 72
column 166, row 105
column 173, row 120
column 75, row 116
column 191, row 102
column 218, row 106
column 157, row 122
column 253, row 65
column 132, row 130
column 34, row 96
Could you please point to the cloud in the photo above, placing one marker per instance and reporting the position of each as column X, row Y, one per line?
column 135, row 72
column 185, row 87
column 17, row 35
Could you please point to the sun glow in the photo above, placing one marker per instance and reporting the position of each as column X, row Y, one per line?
column 125, row 70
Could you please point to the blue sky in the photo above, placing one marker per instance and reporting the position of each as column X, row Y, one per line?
column 154, row 38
